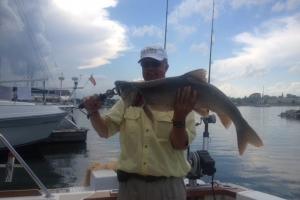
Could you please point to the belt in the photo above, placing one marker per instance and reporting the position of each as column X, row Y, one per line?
column 125, row 176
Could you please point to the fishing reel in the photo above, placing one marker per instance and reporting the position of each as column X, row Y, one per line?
column 201, row 164
column 210, row 119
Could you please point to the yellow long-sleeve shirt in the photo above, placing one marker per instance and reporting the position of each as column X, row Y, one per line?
column 145, row 146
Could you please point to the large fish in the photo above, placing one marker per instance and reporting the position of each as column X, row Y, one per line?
column 160, row 95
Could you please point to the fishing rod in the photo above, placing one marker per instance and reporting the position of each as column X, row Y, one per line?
column 211, row 42
column 166, row 25
column 206, row 164
column 110, row 93
column 210, row 118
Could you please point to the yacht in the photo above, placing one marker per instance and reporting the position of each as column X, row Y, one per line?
column 24, row 123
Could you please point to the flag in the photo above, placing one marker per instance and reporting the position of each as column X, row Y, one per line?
column 93, row 81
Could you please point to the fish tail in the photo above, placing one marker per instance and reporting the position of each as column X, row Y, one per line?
column 245, row 135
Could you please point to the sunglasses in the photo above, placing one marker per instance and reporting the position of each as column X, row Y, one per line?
column 150, row 63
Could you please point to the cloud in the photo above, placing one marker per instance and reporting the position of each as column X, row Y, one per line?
column 273, row 45
column 90, row 8
column 23, row 46
column 285, row 87
column 286, row 5
column 235, row 91
column 10, row 21
column 184, row 30
column 93, row 38
column 273, row 90
column 189, row 8
column 201, row 48
column 235, row 4
column 36, row 36
column 147, row 30
column 295, row 69
column 171, row 48
column 186, row 13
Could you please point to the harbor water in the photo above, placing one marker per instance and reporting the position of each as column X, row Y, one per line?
column 274, row 168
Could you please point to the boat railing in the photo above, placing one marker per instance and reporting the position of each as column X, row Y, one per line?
column 26, row 167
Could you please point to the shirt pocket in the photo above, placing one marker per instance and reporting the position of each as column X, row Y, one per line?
column 163, row 125
column 132, row 119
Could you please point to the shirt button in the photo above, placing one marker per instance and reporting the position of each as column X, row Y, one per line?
column 147, row 130
column 146, row 146
column 145, row 163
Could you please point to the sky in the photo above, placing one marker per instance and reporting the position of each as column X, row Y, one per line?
column 256, row 43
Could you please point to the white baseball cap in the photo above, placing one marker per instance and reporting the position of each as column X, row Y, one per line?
column 155, row 52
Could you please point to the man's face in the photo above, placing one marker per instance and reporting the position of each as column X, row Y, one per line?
column 153, row 69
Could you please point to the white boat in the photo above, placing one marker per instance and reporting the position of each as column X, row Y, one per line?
column 104, row 185
column 26, row 123
column 101, row 183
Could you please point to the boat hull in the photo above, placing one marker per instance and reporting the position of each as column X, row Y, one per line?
column 28, row 131
column 25, row 124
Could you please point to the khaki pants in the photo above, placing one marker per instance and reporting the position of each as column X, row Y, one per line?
column 165, row 189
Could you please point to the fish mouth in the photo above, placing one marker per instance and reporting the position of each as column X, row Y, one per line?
column 120, row 86
column 125, row 90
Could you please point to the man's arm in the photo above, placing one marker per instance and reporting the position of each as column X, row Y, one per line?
column 99, row 125
column 92, row 105
column 179, row 138
column 184, row 104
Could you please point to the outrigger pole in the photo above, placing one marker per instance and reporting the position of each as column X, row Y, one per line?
column 211, row 38
column 210, row 118
column 166, row 25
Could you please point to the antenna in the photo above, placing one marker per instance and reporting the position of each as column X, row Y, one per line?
column 61, row 78
column 211, row 37
column 166, row 24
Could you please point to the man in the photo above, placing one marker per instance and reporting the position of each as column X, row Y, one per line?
column 152, row 160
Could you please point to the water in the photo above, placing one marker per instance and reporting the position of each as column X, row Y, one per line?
column 273, row 168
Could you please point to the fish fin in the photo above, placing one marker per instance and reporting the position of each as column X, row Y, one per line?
column 199, row 75
column 226, row 121
column 148, row 112
column 202, row 111
column 245, row 135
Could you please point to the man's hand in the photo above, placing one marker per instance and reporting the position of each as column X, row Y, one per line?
column 92, row 103
column 184, row 103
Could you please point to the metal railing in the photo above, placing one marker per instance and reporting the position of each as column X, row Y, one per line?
column 26, row 167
